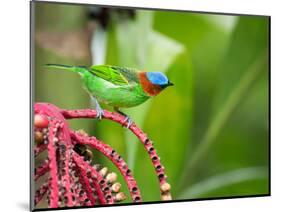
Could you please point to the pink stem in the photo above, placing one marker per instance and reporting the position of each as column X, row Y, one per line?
column 98, row 181
column 75, row 194
column 78, row 192
column 53, row 111
column 82, row 196
column 115, row 158
column 41, row 170
column 84, row 179
column 53, row 166
column 88, row 113
column 100, row 194
column 63, row 162
column 64, row 148
column 148, row 145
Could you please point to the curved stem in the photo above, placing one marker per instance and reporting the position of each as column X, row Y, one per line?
column 89, row 113
column 64, row 165
column 53, row 166
column 84, row 180
column 59, row 131
column 115, row 158
column 97, row 180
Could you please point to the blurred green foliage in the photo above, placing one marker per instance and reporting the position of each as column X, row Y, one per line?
column 211, row 129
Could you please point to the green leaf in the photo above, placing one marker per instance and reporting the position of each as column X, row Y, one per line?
column 205, row 40
column 236, row 79
column 204, row 187
column 249, row 41
column 205, row 37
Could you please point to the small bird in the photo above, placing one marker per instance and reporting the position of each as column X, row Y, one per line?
column 117, row 86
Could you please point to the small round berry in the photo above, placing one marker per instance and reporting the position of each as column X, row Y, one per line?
column 116, row 187
column 165, row 187
column 111, row 177
column 38, row 136
column 40, row 121
column 166, row 196
column 120, row 196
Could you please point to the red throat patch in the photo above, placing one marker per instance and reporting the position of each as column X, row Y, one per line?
column 147, row 86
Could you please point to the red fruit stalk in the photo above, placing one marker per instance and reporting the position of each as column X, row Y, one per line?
column 115, row 158
column 85, row 180
column 99, row 184
column 147, row 143
column 72, row 179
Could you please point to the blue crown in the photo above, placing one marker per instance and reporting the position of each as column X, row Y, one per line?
column 157, row 78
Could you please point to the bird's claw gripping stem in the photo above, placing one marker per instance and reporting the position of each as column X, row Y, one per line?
column 127, row 118
column 100, row 113
column 129, row 121
column 99, row 110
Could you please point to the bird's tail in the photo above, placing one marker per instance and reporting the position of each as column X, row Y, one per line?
column 77, row 69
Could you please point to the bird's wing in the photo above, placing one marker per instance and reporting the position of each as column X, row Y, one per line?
column 114, row 74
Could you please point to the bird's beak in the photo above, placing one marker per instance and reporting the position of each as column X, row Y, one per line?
column 170, row 84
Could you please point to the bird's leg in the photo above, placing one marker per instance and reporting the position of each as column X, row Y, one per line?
column 98, row 107
column 127, row 119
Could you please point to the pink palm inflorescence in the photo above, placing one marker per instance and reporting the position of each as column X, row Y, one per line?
column 71, row 177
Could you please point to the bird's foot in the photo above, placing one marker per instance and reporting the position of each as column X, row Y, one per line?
column 100, row 113
column 127, row 118
column 129, row 122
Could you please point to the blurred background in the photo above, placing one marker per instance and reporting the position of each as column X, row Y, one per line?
column 211, row 129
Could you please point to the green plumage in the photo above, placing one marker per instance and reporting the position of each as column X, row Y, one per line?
column 112, row 85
